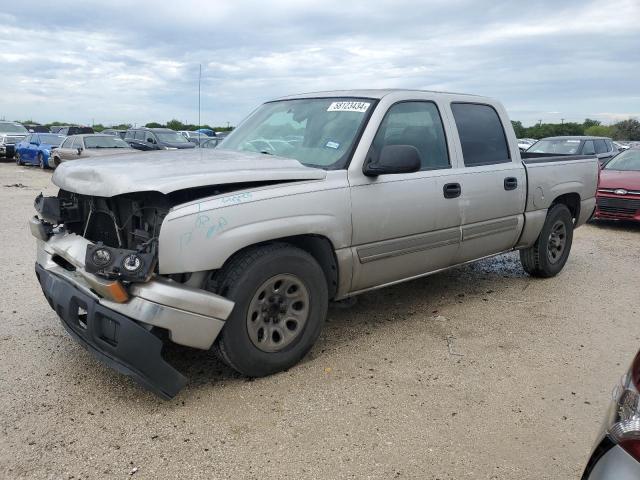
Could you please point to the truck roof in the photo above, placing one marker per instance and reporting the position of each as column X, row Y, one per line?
column 367, row 93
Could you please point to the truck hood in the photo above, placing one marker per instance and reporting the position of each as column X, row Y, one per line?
column 173, row 170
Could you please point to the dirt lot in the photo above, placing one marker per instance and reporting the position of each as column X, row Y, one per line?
column 519, row 393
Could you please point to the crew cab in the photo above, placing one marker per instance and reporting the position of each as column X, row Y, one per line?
column 313, row 198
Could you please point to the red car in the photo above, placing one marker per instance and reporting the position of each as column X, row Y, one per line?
column 618, row 196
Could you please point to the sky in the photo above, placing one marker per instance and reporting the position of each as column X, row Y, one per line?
column 136, row 62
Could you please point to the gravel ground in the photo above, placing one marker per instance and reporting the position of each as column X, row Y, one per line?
column 519, row 392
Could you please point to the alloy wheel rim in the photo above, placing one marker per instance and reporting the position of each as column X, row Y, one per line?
column 557, row 241
column 278, row 313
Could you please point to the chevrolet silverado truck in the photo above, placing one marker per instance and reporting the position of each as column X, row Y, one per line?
column 314, row 198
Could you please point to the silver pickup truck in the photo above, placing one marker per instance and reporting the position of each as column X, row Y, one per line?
column 313, row 198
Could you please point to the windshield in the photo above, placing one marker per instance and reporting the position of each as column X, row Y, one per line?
column 105, row 141
column 562, row 147
column 317, row 132
column 12, row 128
column 171, row 137
column 53, row 140
column 626, row 161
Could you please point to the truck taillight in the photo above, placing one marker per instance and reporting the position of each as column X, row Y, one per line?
column 624, row 426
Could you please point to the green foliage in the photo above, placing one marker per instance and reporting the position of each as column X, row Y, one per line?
column 599, row 131
column 518, row 128
column 588, row 123
column 626, row 130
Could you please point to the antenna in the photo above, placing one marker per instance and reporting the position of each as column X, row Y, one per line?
column 199, row 81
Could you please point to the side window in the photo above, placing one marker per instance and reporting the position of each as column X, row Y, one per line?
column 77, row 142
column 129, row 134
column 481, row 134
column 140, row 135
column 67, row 143
column 609, row 145
column 417, row 124
column 588, row 149
column 601, row 147
column 27, row 139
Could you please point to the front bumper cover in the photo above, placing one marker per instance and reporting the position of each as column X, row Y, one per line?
column 120, row 332
column 118, row 341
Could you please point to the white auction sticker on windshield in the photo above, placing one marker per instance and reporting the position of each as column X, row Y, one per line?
column 348, row 107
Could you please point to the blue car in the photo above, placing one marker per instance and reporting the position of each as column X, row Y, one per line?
column 35, row 149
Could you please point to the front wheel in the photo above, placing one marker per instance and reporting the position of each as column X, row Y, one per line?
column 41, row 161
column 281, row 298
column 18, row 159
column 547, row 256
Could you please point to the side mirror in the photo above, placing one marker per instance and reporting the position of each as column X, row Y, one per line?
column 33, row 142
column 79, row 150
column 394, row 159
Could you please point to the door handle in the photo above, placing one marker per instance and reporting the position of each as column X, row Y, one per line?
column 510, row 183
column 451, row 190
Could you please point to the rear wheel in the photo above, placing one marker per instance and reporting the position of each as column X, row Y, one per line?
column 548, row 255
column 281, row 297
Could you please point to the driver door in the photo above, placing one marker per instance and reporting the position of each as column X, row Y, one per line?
column 406, row 225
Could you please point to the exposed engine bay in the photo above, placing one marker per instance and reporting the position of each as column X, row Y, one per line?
column 124, row 229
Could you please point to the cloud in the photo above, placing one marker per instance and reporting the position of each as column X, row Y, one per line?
column 121, row 62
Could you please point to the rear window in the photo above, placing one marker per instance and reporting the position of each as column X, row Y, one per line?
column 481, row 134
column 561, row 146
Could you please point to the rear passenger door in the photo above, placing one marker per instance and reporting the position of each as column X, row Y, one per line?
column 405, row 225
column 493, row 184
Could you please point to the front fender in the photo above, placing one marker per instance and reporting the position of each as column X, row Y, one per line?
column 205, row 238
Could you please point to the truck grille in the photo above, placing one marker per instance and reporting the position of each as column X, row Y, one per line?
column 618, row 206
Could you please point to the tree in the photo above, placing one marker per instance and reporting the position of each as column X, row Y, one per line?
column 627, row 130
column 176, row 125
column 588, row 122
column 599, row 131
column 154, row 125
column 518, row 128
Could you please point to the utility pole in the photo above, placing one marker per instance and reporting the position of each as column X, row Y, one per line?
column 562, row 121
column 539, row 122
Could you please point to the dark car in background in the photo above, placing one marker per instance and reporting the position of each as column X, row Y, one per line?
column 616, row 454
column 602, row 147
column 113, row 131
column 57, row 128
column 36, row 148
column 10, row 134
column 76, row 147
column 37, row 128
column 156, row 139
column 618, row 196
column 74, row 130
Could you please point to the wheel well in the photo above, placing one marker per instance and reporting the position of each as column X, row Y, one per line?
column 572, row 202
column 319, row 247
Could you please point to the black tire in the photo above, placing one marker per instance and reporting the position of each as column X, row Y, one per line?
column 18, row 159
column 241, row 281
column 41, row 162
column 538, row 260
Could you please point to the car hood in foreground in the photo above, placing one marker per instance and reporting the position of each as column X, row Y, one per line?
column 170, row 171
column 629, row 180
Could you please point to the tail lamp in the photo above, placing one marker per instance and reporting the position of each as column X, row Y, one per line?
column 624, row 422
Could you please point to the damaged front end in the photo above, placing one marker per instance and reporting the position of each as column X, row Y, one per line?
column 97, row 265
